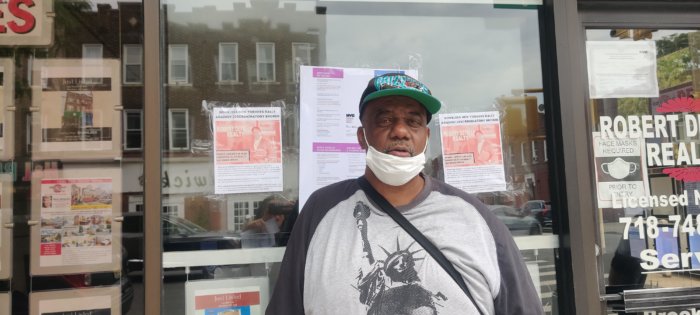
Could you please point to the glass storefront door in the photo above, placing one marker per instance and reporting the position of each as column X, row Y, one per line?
column 260, row 109
column 259, row 103
column 643, row 87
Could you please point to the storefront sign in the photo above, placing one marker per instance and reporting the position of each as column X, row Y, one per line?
column 177, row 178
column 690, row 311
column 26, row 22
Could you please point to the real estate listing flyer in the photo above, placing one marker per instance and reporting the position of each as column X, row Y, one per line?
column 241, row 296
column 75, row 106
column 93, row 301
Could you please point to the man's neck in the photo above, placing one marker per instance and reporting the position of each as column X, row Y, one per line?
column 396, row 195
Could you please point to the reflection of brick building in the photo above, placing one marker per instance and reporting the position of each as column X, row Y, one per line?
column 525, row 157
column 250, row 56
column 235, row 56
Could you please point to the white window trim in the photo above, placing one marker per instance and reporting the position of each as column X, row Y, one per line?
column 295, row 68
column 522, row 154
column 257, row 62
column 86, row 46
column 125, row 129
column 91, row 62
column 170, row 129
column 221, row 62
column 172, row 80
column 126, row 63
column 535, row 157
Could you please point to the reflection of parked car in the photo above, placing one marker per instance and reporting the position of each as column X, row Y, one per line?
column 540, row 210
column 515, row 221
column 178, row 235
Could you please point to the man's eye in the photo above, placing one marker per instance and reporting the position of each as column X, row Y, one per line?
column 384, row 121
column 414, row 122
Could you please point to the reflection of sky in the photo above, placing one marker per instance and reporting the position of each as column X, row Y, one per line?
column 467, row 54
column 466, row 61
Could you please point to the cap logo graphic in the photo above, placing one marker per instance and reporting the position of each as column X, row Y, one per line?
column 399, row 82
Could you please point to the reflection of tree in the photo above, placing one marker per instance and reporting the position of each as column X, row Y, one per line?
column 68, row 20
column 671, row 43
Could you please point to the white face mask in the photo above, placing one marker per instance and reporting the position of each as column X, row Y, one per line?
column 394, row 170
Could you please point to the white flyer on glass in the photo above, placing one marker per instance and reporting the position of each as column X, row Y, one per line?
column 248, row 149
column 329, row 101
column 619, row 69
column 76, row 222
column 472, row 154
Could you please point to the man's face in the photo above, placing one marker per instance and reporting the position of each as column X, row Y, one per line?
column 395, row 125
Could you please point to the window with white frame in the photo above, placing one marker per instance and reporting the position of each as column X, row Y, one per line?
column 301, row 56
column 178, row 122
column 544, row 149
column 240, row 215
column 178, row 64
column 535, row 156
column 523, row 149
column 228, row 62
column 92, row 51
column 133, row 129
column 92, row 55
column 265, row 59
column 133, row 64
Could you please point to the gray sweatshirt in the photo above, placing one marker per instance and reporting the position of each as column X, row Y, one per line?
column 346, row 256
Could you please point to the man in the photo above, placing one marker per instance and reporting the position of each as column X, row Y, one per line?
column 346, row 256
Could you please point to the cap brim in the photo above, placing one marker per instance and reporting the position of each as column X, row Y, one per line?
column 431, row 104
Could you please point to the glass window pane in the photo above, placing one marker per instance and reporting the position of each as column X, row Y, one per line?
column 72, row 170
column 646, row 235
column 245, row 170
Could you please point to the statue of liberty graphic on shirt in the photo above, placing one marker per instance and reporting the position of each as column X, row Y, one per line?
column 391, row 286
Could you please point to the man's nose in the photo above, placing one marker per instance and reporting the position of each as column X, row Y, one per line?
column 399, row 130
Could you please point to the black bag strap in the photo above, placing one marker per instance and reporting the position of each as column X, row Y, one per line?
column 418, row 236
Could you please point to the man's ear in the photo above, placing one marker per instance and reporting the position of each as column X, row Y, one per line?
column 361, row 137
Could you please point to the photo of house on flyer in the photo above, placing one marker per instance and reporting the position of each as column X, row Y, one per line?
column 75, row 106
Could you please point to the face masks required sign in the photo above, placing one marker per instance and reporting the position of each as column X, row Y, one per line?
column 620, row 170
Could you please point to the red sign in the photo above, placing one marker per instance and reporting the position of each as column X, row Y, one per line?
column 227, row 300
column 26, row 22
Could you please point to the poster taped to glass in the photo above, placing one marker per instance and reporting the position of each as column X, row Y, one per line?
column 76, row 101
column 472, row 154
column 76, row 222
column 247, row 150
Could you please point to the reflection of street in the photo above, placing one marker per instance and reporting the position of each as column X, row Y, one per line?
column 544, row 258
